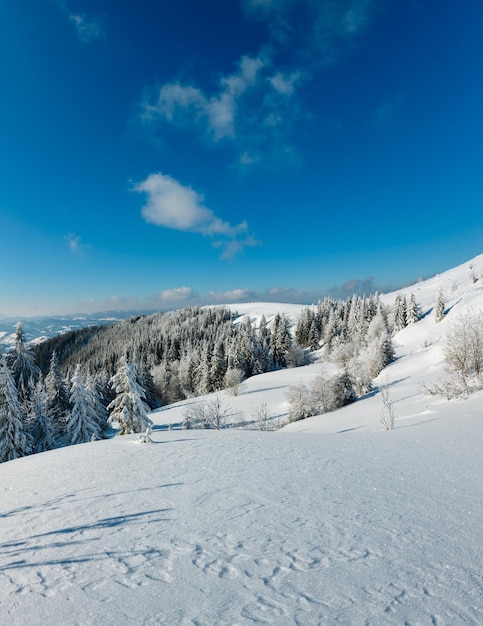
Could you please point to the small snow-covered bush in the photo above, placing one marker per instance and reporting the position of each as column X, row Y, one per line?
column 206, row 414
column 145, row 437
column 387, row 410
column 233, row 378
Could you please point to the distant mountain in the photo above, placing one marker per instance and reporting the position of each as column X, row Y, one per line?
column 38, row 329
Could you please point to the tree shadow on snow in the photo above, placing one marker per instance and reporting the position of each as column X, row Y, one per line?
column 66, row 538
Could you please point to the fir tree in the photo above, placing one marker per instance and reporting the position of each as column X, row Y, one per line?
column 96, row 405
column 399, row 313
column 42, row 429
column 14, row 439
column 22, row 365
column 343, row 390
column 439, row 309
column 82, row 426
column 128, row 408
column 413, row 313
column 58, row 396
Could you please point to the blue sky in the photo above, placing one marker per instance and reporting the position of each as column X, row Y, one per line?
column 158, row 154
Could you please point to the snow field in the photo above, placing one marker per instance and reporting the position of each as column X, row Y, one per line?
column 244, row 527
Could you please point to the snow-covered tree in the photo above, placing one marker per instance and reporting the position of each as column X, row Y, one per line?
column 14, row 439
column 299, row 402
column 464, row 351
column 128, row 408
column 58, row 396
column 233, row 379
column 281, row 340
column 82, row 425
column 343, row 389
column 413, row 313
column 439, row 309
column 41, row 427
column 399, row 313
column 21, row 362
column 96, row 404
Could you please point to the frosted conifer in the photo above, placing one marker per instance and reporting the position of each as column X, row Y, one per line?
column 14, row 440
column 21, row 362
column 42, row 429
column 413, row 313
column 439, row 309
column 58, row 396
column 128, row 408
column 82, row 421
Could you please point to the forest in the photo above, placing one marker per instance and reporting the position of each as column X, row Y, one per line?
column 92, row 383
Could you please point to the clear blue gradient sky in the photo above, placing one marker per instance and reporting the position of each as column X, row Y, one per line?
column 157, row 154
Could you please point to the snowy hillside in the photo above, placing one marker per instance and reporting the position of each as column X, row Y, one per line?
column 329, row 520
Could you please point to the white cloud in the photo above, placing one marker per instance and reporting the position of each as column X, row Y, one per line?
column 74, row 243
column 87, row 30
column 284, row 84
column 177, row 294
column 234, row 295
column 189, row 105
column 175, row 206
column 256, row 108
column 253, row 108
column 317, row 31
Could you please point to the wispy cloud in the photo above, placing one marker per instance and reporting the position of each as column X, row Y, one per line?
column 178, row 294
column 258, row 107
column 172, row 205
column 253, row 108
column 318, row 31
column 87, row 29
column 74, row 243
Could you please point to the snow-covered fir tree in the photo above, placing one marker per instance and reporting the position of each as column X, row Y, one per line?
column 97, row 407
column 128, row 408
column 413, row 312
column 41, row 427
column 82, row 425
column 14, row 438
column 439, row 309
column 399, row 313
column 58, row 396
column 21, row 361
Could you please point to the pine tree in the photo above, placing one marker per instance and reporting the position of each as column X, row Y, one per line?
column 82, row 426
column 218, row 366
column 313, row 336
column 42, row 429
column 97, row 407
column 14, row 439
column 58, row 396
column 413, row 313
column 343, row 390
column 399, row 313
column 281, row 340
column 22, row 365
column 128, row 408
column 439, row 309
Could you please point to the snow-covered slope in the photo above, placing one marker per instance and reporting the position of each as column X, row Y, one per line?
column 244, row 527
column 328, row 521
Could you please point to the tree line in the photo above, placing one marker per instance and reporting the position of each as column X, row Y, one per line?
column 80, row 385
